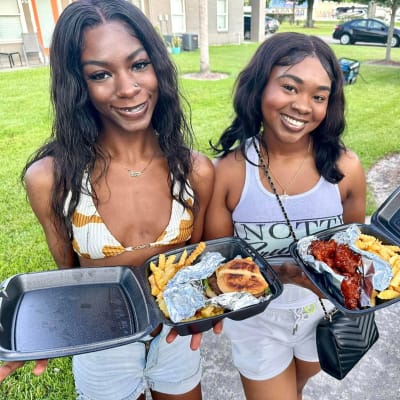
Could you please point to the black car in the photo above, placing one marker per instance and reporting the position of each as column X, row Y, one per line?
column 271, row 25
column 368, row 30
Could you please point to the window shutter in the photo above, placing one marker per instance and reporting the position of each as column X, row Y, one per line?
column 10, row 22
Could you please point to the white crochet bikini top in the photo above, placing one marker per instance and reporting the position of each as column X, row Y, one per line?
column 92, row 239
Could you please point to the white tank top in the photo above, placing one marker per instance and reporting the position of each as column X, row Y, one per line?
column 259, row 220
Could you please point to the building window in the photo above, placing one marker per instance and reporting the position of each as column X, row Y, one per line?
column 222, row 15
column 178, row 16
column 10, row 21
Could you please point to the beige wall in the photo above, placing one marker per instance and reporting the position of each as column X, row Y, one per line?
column 192, row 16
column 235, row 19
column 235, row 23
column 157, row 10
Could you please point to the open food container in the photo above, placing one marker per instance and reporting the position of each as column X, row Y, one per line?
column 72, row 311
column 385, row 226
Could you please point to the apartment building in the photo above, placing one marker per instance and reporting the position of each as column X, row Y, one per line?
column 170, row 17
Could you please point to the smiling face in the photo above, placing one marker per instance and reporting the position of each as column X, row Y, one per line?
column 295, row 100
column 121, row 81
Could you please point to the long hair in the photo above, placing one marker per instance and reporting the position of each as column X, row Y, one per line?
column 285, row 49
column 76, row 125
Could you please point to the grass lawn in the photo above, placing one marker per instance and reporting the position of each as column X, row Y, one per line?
column 372, row 132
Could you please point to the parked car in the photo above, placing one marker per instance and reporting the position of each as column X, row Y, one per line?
column 368, row 30
column 271, row 25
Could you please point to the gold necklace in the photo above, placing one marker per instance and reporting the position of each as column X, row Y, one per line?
column 135, row 174
column 267, row 169
column 271, row 183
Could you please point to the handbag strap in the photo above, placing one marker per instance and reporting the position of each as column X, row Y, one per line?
column 264, row 167
column 327, row 315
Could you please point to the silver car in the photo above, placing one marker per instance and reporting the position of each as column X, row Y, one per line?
column 271, row 25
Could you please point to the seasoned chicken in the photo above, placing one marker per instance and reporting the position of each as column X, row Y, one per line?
column 344, row 261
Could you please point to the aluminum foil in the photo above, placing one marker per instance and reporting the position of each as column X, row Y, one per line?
column 234, row 301
column 184, row 293
column 376, row 272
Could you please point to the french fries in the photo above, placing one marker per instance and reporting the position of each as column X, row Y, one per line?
column 390, row 254
column 206, row 312
column 166, row 268
column 195, row 253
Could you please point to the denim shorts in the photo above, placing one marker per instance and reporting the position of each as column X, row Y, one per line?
column 123, row 373
column 263, row 346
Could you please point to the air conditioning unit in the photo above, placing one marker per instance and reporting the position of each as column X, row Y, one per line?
column 190, row 41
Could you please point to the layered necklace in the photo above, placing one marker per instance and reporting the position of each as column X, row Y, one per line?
column 271, row 177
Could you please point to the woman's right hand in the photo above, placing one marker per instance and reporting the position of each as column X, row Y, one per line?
column 10, row 367
column 195, row 341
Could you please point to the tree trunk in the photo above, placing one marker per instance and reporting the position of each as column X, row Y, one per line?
column 293, row 12
column 310, row 7
column 395, row 6
column 203, row 40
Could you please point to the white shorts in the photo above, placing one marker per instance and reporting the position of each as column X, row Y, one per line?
column 123, row 373
column 263, row 346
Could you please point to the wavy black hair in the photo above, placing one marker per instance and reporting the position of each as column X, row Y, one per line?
column 285, row 49
column 76, row 125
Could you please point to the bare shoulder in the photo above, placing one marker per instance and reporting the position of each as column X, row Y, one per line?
column 231, row 162
column 230, row 172
column 39, row 175
column 202, row 165
column 350, row 165
column 201, row 161
column 352, row 187
column 203, row 172
column 349, row 161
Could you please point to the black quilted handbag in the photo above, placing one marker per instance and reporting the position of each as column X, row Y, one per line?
column 342, row 341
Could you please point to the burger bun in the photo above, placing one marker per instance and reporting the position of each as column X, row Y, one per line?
column 238, row 275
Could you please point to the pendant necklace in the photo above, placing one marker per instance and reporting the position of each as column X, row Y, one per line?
column 268, row 172
column 135, row 174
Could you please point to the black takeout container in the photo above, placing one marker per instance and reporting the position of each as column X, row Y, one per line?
column 72, row 311
column 385, row 225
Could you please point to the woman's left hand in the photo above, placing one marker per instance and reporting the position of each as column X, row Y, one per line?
column 292, row 273
column 10, row 367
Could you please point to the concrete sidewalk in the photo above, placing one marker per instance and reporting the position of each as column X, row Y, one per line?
column 375, row 377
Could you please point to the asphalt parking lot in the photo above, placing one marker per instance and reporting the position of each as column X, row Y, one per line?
column 375, row 377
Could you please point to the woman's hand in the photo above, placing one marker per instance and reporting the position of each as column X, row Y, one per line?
column 292, row 273
column 10, row 367
column 196, row 337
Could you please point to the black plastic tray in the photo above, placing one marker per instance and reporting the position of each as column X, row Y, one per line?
column 385, row 225
column 72, row 311
column 64, row 312
column 229, row 248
